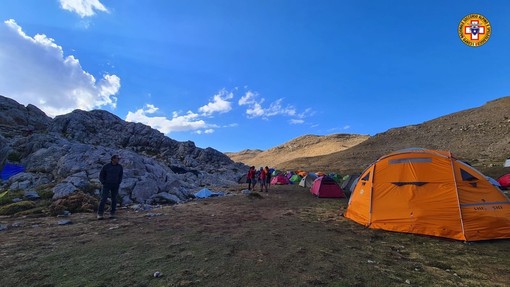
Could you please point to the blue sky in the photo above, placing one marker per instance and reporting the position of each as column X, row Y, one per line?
column 253, row 74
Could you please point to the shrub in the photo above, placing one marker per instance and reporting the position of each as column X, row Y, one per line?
column 75, row 202
column 46, row 194
column 7, row 198
column 16, row 207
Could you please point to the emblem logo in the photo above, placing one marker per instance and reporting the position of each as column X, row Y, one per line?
column 474, row 30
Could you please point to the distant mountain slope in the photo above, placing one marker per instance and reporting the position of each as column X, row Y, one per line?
column 301, row 147
column 244, row 156
column 480, row 136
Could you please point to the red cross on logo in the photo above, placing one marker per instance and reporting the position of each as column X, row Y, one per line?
column 474, row 29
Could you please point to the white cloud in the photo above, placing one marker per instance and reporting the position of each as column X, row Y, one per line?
column 255, row 108
column 248, row 98
column 178, row 123
column 207, row 131
column 220, row 103
column 296, row 121
column 276, row 109
column 35, row 71
column 347, row 127
column 190, row 121
column 84, row 8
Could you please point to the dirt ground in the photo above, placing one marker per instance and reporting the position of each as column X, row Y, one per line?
column 286, row 237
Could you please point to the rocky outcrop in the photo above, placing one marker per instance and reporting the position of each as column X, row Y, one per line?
column 67, row 153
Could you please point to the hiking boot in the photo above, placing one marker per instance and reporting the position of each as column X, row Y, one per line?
column 99, row 217
column 112, row 216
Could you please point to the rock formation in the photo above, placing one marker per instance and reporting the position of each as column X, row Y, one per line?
column 65, row 154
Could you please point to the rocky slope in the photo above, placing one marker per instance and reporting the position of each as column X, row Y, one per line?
column 65, row 155
column 480, row 136
column 299, row 148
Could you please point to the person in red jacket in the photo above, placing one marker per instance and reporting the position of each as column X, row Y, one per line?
column 250, row 177
column 262, row 179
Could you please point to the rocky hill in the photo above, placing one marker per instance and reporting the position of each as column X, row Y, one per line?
column 480, row 136
column 301, row 147
column 65, row 154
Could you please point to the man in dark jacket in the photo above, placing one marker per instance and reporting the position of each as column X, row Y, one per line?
column 110, row 177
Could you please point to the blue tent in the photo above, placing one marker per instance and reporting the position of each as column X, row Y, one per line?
column 11, row 169
column 204, row 193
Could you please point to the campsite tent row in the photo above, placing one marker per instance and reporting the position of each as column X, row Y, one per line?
column 426, row 192
column 300, row 177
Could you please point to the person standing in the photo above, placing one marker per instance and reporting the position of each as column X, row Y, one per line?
column 268, row 178
column 250, row 177
column 255, row 178
column 262, row 178
column 110, row 177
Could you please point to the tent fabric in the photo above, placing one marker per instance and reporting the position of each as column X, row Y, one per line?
column 325, row 186
column 205, row 193
column 349, row 183
column 295, row 178
column 493, row 181
column 504, row 180
column 10, row 170
column 336, row 177
column 429, row 192
column 307, row 181
column 320, row 173
column 276, row 172
column 280, row 179
column 302, row 173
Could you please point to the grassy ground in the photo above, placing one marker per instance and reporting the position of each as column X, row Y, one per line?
column 284, row 238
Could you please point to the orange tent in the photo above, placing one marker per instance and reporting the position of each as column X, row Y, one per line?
column 429, row 192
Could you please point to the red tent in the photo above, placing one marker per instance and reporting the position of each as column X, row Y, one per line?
column 325, row 186
column 505, row 181
column 280, row 179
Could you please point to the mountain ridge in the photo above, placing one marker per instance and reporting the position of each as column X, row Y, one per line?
column 316, row 145
column 479, row 135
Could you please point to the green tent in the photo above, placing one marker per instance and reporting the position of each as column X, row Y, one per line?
column 295, row 178
column 336, row 177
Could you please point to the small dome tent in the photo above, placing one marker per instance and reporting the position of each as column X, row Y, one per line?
column 280, row 179
column 307, row 181
column 429, row 192
column 325, row 186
